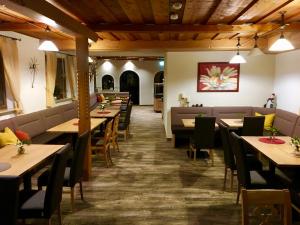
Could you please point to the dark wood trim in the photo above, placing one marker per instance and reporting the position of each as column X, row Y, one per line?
column 211, row 11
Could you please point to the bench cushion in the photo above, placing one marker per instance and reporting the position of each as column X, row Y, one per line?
column 285, row 121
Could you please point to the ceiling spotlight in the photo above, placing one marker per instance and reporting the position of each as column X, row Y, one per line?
column 174, row 16
column 177, row 5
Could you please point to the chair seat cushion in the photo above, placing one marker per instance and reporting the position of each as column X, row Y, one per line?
column 32, row 204
column 257, row 180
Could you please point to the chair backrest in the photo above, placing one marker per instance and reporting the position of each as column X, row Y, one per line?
column 243, row 172
column 76, row 170
column 9, row 192
column 55, row 182
column 116, row 126
column 253, row 126
column 204, row 132
column 107, row 134
column 128, row 112
column 125, row 122
column 228, row 153
column 264, row 201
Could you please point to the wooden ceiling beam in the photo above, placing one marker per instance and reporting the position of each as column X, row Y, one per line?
column 41, row 10
column 12, row 26
column 207, row 44
column 222, row 28
column 243, row 11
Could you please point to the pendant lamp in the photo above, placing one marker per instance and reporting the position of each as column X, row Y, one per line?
column 48, row 45
column 255, row 51
column 236, row 59
column 282, row 44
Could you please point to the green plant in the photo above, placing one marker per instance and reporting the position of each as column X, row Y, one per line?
column 273, row 130
column 295, row 142
column 200, row 114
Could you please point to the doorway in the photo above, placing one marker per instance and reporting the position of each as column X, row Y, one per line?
column 129, row 81
column 107, row 82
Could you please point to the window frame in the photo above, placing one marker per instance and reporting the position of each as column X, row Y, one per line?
column 66, row 98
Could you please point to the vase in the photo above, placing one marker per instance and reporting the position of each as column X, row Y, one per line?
column 21, row 149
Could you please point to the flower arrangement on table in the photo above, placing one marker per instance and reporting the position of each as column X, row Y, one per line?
column 273, row 132
column 23, row 138
column 295, row 143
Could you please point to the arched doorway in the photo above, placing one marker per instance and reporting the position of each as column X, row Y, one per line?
column 129, row 81
column 107, row 82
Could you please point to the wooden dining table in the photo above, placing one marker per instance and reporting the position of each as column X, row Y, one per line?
column 106, row 113
column 282, row 155
column 233, row 123
column 71, row 126
column 34, row 155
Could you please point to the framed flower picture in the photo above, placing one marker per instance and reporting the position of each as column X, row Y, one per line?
column 218, row 77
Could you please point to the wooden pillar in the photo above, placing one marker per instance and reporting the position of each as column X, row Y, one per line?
column 84, row 97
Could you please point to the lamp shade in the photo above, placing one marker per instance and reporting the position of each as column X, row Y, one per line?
column 48, row 46
column 281, row 44
column 237, row 59
column 255, row 52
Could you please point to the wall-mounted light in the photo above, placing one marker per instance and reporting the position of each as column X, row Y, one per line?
column 129, row 65
column 107, row 65
column 90, row 59
column 161, row 63
column 236, row 59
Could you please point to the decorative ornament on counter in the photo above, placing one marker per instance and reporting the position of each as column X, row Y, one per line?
column 183, row 101
column 271, row 102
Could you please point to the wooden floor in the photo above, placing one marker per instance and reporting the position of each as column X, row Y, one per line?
column 152, row 183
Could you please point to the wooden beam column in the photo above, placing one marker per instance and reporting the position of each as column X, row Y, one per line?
column 84, row 97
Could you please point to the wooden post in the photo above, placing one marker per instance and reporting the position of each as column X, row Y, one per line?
column 84, row 97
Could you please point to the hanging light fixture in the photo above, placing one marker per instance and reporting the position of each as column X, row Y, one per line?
column 48, row 45
column 237, row 58
column 255, row 51
column 282, row 44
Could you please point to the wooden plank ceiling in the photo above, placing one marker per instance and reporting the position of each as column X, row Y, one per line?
column 146, row 24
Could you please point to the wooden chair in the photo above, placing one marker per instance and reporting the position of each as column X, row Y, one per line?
column 203, row 136
column 114, row 135
column 125, row 122
column 103, row 145
column 270, row 203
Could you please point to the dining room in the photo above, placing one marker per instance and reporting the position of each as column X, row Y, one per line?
column 83, row 140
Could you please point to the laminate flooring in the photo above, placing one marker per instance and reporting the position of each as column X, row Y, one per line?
column 152, row 183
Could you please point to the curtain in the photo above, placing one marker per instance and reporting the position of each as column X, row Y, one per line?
column 51, row 66
column 10, row 57
column 70, row 65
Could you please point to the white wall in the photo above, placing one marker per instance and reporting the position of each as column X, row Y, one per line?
column 144, row 69
column 255, row 86
column 287, row 81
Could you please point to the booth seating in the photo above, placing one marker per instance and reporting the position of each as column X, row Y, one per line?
column 37, row 123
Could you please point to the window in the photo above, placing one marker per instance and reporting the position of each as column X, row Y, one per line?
column 2, row 86
column 60, row 90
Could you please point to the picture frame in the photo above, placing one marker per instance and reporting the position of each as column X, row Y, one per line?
column 218, row 77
